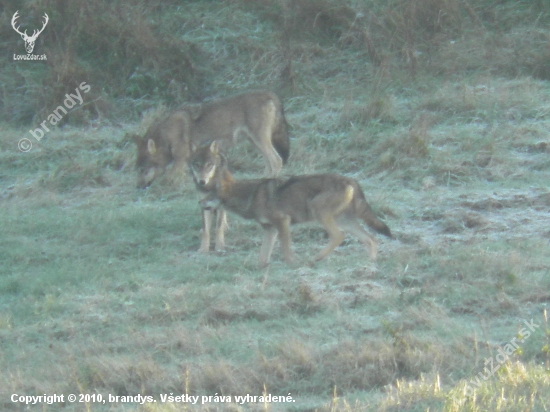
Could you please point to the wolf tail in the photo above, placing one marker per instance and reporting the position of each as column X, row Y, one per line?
column 366, row 214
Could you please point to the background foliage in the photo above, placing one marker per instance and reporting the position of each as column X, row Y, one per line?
column 139, row 53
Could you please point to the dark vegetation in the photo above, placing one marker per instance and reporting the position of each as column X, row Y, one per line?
column 138, row 53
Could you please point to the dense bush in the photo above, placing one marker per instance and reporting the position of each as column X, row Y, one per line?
column 136, row 53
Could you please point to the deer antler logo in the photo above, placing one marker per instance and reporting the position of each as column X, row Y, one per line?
column 29, row 40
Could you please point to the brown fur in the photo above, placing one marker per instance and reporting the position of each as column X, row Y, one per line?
column 197, row 160
column 336, row 202
column 258, row 115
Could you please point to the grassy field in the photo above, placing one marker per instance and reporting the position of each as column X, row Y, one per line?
column 444, row 125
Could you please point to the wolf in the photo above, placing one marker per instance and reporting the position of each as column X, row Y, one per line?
column 258, row 115
column 335, row 201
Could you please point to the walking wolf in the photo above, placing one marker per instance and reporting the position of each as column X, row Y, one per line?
column 258, row 115
column 336, row 202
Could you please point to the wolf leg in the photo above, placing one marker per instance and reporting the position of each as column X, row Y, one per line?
column 270, row 235
column 205, row 236
column 353, row 227
column 273, row 162
column 221, row 226
column 336, row 236
column 325, row 208
column 283, row 227
column 262, row 137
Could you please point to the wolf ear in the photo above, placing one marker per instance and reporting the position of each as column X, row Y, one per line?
column 214, row 147
column 151, row 147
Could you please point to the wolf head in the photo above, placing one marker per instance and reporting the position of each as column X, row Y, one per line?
column 151, row 160
column 205, row 163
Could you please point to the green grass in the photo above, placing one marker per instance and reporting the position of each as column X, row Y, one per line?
column 445, row 127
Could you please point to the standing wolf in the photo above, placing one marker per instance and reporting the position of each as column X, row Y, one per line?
column 336, row 202
column 258, row 115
